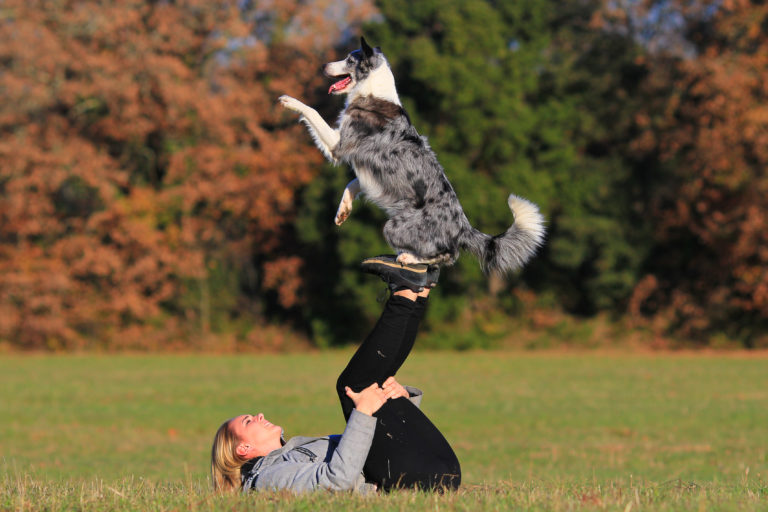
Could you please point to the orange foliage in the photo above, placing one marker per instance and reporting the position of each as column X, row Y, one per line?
column 140, row 142
column 712, row 134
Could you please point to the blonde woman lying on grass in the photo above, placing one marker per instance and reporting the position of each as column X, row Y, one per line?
column 387, row 443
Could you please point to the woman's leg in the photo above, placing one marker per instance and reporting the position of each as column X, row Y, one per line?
column 407, row 449
column 385, row 349
column 410, row 334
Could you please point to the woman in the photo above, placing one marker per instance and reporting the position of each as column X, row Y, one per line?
column 387, row 443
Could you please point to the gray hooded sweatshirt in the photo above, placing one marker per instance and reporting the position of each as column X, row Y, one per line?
column 310, row 463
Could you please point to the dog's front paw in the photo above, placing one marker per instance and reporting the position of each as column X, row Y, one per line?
column 342, row 214
column 345, row 205
column 291, row 103
column 340, row 218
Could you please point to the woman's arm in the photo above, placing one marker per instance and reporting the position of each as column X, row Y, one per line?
column 414, row 395
column 345, row 466
column 340, row 473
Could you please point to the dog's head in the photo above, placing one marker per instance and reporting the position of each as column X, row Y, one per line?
column 355, row 69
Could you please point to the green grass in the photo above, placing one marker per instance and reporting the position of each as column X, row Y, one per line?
column 533, row 431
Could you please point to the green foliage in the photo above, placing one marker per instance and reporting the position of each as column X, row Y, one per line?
column 342, row 301
column 514, row 98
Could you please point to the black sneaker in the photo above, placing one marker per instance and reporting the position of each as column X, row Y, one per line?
column 396, row 275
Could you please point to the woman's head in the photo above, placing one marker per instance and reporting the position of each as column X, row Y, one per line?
column 238, row 440
column 225, row 462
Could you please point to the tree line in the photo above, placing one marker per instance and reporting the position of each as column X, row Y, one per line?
column 154, row 196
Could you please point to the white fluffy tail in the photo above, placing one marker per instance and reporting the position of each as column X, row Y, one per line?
column 510, row 250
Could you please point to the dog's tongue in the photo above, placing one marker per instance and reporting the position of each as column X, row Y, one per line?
column 341, row 84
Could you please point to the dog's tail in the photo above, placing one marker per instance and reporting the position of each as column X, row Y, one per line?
column 510, row 250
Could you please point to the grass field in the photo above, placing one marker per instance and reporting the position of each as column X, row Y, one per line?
column 532, row 431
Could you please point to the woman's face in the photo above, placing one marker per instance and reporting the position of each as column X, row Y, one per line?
column 257, row 436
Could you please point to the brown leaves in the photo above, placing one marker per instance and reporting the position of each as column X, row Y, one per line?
column 140, row 142
column 712, row 137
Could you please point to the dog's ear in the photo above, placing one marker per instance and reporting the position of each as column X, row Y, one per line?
column 367, row 50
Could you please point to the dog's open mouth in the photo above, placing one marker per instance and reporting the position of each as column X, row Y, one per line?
column 340, row 85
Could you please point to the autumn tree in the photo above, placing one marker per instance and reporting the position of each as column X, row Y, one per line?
column 708, row 132
column 148, row 179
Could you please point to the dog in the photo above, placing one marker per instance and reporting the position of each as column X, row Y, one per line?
column 397, row 170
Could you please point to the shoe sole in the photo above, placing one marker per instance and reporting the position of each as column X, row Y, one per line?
column 393, row 273
column 418, row 268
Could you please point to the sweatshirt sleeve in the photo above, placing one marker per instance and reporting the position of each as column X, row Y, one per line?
column 415, row 395
column 339, row 473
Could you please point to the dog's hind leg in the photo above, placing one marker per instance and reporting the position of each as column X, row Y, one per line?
column 345, row 206
column 325, row 137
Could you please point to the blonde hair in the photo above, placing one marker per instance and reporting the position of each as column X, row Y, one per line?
column 225, row 462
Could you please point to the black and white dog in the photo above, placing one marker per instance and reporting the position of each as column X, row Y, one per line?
column 398, row 171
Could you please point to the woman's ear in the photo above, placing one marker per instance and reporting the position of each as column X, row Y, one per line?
column 242, row 449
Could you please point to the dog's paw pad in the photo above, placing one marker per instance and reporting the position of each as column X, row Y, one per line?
column 341, row 216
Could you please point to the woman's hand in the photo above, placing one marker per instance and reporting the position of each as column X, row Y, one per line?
column 369, row 400
column 393, row 389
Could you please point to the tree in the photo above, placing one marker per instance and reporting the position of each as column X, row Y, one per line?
column 148, row 180
column 708, row 129
column 513, row 98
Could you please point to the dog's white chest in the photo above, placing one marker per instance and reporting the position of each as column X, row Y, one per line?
column 368, row 184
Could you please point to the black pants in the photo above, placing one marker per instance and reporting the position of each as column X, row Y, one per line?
column 407, row 449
